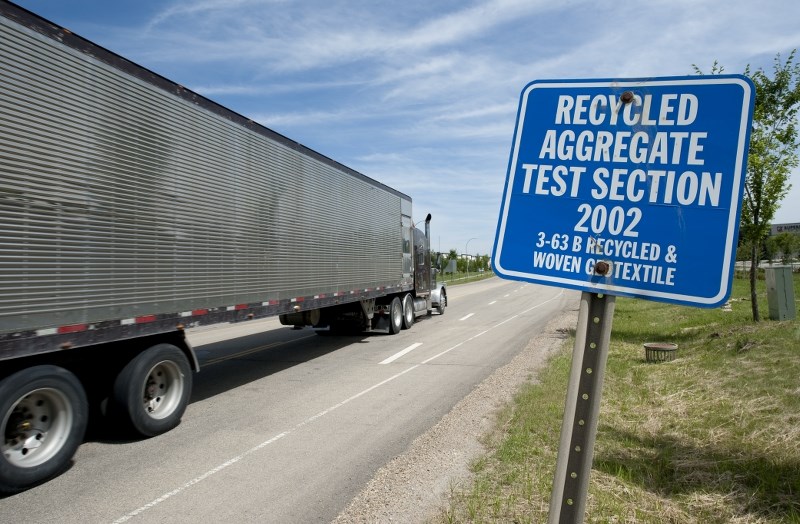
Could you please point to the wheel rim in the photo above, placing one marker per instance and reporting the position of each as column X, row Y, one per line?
column 408, row 310
column 163, row 390
column 36, row 427
column 397, row 315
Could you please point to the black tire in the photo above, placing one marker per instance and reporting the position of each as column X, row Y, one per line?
column 442, row 303
column 395, row 316
column 152, row 391
column 44, row 412
column 408, row 311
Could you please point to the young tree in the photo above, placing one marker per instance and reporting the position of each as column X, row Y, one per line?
column 772, row 154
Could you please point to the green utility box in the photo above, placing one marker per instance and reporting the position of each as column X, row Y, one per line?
column 780, row 293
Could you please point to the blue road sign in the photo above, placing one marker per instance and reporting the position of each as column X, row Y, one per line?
column 629, row 187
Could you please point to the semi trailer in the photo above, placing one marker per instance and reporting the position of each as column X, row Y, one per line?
column 133, row 209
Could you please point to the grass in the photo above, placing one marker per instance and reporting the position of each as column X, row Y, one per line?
column 454, row 279
column 710, row 437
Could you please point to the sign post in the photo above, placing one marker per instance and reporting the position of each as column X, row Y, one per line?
column 579, row 425
column 621, row 187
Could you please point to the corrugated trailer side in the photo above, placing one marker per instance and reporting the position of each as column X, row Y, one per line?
column 125, row 197
column 132, row 208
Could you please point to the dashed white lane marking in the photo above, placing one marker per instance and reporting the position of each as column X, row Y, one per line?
column 399, row 354
column 465, row 318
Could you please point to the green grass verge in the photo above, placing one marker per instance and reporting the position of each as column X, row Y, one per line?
column 455, row 279
column 710, row 437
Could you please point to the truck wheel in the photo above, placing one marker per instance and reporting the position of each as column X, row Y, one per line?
column 152, row 390
column 408, row 311
column 395, row 316
column 44, row 414
column 442, row 303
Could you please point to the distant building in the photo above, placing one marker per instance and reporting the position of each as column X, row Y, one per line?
column 785, row 228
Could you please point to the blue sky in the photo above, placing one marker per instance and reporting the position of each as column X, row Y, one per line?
column 422, row 95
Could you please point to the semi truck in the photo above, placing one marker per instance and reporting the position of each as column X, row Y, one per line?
column 133, row 209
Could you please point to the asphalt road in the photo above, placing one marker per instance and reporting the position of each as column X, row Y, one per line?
column 287, row 425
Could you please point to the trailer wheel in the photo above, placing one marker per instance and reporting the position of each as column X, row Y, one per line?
column 395, row 316
column 152, row 390
column 408, row 311
column 44, row 414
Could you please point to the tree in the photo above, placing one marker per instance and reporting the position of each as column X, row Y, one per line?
column 453, row 255
column 784, row 243
column 771, row 250
column 772, row 155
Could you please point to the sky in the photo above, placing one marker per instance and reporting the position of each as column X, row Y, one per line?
column 423, row 95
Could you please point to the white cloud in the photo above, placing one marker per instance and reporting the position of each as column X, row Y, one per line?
column 423, row 95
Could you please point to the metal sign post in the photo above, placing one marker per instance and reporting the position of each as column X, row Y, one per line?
column 582, row 408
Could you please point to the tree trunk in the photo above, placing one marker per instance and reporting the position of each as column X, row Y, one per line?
column 754, row 280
